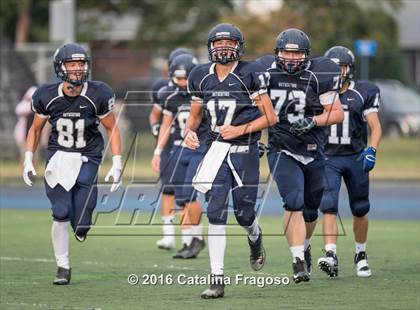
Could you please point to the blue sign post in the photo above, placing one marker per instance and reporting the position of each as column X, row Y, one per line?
column 365, row 49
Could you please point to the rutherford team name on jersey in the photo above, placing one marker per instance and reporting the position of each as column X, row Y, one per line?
column 75, row 120
column 297, row 96
column 229, row 102
column 350, row 136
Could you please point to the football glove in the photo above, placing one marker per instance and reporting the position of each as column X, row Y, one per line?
column 369, row 158
column 261, row 149
column 28, row 167
column 302, row 125
column 155, row 129
column 115, row 173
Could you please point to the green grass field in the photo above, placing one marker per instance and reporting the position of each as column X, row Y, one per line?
column 101, row 266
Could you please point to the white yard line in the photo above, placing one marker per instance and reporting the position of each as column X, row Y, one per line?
column 45, row 260
column 33, row 305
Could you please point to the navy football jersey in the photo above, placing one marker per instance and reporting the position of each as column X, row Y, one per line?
column 231, row 101
column 350, row 136
column 296, row 96
column 156, row 86
column 177, row 104
column 75, row 120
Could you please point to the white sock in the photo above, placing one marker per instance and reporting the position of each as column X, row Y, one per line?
column 197, row 231
column 168, row 228
column 297, row 251
column 307, row 243
column 186, row 235
column 360, row 247
column 331, row 247
column 253, row 231
column 217, row 246
column 60, row 241
column 168, row 219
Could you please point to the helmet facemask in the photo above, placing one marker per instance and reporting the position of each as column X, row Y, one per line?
column 291, row 66
column 179, row 75
column 75, row 77
column 224, row 54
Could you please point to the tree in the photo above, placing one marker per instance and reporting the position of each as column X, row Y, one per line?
column 167, row 24
column 260, row 31
column 11, row 11
column 329, row 23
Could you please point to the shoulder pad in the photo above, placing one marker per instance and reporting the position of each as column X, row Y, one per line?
column 267, row 60
column 323, row 64
column 247, row 67
column 200, row 71
column 165, row 91
column 159, row 83
column 100, row 89
column 366, row 86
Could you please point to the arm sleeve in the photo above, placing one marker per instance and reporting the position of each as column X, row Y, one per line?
column 162, row 100
column 327, row 73
column 259, row 81
column 373, row 100
column 193, row 85
column 156, row 86
column 106, row 101
column 38, row 105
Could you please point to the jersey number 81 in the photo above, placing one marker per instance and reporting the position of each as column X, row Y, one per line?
column 66, row 127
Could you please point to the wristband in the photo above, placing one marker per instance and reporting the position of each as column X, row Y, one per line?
column 29, row 156
column 116, row 161
column 157, row 151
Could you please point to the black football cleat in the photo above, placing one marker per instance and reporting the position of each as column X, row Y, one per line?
column 362, row 267
column 185, row 252
column 62, row 277
column 329, row 264
column 216, row 289
column 257, row 253
column 300, row 273
column 196, row 246
column 308, row 259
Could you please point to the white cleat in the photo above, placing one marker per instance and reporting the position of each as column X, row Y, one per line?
column 329, row 264
column 362, row 266
column 166, row 243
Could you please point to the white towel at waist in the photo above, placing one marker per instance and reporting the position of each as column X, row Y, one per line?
column 210, row 165
column 63, row 168
column 303, row 159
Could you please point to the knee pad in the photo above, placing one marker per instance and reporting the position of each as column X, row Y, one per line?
column 180, row 202
column 217, row 216
column 310, row 215
column 294, row 201
column 328, row 204
column 60, row 214
column 168, row 190
column 360, row 209
column 244, row 218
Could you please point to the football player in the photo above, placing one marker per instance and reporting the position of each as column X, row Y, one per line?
column 168, row 200
column 350, row 159
column 74, row 107
column 235, row 98
column 176, row 104
column 305, row 98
